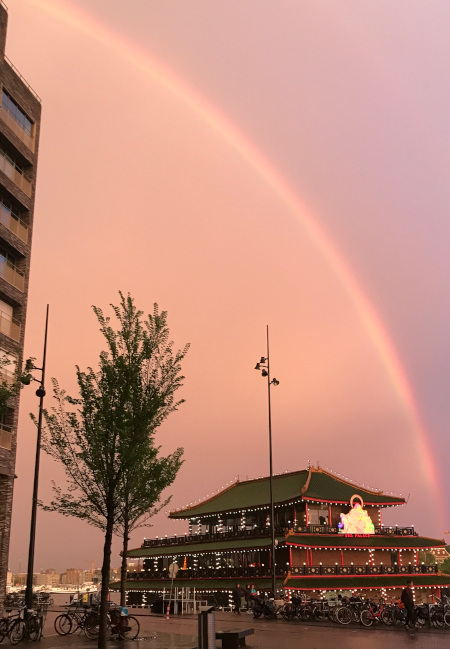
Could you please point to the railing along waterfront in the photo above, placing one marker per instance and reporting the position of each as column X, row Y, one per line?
column 295, row 571
column 258, row 532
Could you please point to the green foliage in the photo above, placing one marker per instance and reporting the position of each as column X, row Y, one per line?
column 105, row 437
column 104, row 434
column 445, row 566
column 427, row 558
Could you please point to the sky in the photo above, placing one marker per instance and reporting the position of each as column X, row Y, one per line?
column 246, row 164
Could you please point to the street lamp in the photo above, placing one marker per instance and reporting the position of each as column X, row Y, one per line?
column 264, row 366
column 26, row 379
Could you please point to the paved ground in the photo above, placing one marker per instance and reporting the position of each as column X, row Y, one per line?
column 181, row 633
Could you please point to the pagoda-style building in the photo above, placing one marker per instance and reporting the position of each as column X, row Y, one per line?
column 329, row 533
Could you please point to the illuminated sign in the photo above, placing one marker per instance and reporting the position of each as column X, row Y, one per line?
column 357, row 521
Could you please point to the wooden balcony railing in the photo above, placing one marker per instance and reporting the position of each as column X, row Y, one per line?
column 15, row 127
column 14, row 175
column 16, row 226
column 12, row 275
column 9, row 327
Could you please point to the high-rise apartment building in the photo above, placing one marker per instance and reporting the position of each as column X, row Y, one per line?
column 20, row 114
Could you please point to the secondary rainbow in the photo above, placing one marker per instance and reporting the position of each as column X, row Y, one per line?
column 160, row 74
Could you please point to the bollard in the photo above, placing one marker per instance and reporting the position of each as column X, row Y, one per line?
column 167, row 610
column 206, row 628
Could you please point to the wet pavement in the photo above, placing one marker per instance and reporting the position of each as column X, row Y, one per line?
column 181, row 633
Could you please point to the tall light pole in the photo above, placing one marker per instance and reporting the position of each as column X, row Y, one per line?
column 264, row 366
column 40, row 392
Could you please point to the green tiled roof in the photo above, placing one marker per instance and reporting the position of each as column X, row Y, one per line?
column 389, row 581
column 199, row 584
column 313, row 484
column 324, row 485
column 248, row 494
column 373, row 541
column 194, row 548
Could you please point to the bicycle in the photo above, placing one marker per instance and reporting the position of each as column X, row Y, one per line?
column 29, row 624
column 6, row 623
column 71, row 621
column 375, row 613
column 119, row 623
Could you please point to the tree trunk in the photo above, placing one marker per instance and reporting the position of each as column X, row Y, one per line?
column 106, row 568
column 123, row 574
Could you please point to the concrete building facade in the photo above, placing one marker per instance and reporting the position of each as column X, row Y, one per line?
column 20, row 117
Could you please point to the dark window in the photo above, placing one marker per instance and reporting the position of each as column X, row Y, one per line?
column 16, row 112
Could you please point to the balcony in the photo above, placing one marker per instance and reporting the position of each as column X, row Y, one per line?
column 257, row 532
column 14, row 225
column 300, row 571
column 211, row 573
column 379, row 531
column 5, row 437
column 9, row 327
column 14, row 175
column 13, row 276
column 296, row 571
column 15, row 127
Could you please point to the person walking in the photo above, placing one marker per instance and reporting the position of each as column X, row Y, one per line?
column 237, row 599
column 408, row 601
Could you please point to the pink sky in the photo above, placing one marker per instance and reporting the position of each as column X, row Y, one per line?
column 142, row 188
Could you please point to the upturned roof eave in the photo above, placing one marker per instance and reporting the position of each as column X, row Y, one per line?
column 307, row 491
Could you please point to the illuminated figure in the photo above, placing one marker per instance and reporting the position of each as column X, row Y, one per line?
column 357, row 521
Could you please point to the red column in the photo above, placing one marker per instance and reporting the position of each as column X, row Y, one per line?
column 329, row 514
column 342, row 557
column 306, row 514
column 399, row 557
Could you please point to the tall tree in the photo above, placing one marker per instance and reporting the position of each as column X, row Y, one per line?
column 104, row 434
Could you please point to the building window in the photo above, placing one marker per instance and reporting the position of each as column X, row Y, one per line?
column 10, row 272
column 5, row 258
column 16, row 113
column 12, row 162
column 318, row 514
column 7, row 210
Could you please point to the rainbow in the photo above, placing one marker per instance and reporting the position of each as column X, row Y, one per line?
column 64, row 12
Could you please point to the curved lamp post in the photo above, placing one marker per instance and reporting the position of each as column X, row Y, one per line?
column 26, row 379
column 264, row 366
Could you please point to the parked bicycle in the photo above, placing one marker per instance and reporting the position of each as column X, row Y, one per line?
column 27, row 626
column 119, row 623
column 71, row 621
